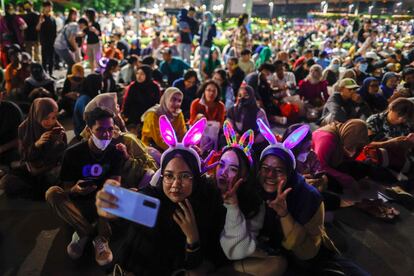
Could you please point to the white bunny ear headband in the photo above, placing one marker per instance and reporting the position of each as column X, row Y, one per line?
column 191, row 138
column 291, row 141
column 231, row 140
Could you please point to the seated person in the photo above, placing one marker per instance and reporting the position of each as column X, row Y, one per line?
column 245, row 62
column 210, row 64
column 170, row 105
column 109, row 82
column 86, row 167
column 396, row 121
column 42, row 141
column 188, row 85
column 138, row 165
column 389, row 84
column 39, row 84
column 112, row 52
column 91, row 87
column 227, row 93
column 127, row 72
column 10, row 118
column 172, row 68
column 235, row 74
column 371, row 94
column 208, row 105
column 345, row 104
column 72, row 87
column 140, row 95
column 11, row 71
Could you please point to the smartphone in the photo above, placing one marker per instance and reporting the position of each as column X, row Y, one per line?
column 134, row 206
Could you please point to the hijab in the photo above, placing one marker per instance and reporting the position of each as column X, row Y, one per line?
column 162, row 107
column 351, row 135
column 244, row 112
column 376, row 101
column 209, row 20
column 38, row 76
column 31, row 129
column 92, row 85
column 146, row 86
column 386, row 91
column 107, row 101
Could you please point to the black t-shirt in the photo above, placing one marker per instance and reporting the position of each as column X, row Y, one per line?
column 92, row 38
column 79, row 162
column 48, row 31
column 31, row 19
column 10, row 118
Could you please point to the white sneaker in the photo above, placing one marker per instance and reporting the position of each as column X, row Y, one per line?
column 103, row 254
column 76, row 246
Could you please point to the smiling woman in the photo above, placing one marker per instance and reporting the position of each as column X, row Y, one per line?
column 170, row 105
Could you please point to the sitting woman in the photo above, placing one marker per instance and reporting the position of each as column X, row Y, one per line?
column 313, row 90
column 227, row 93
column 138, row 165
column 72, row 87
column 293, row 223
column 188, row 85
column 170, row 106
column 331, row 73
column 140, row 95
column 243, row 116
column 38, row 85
column 337, row 146
column 91, row 87
column 190, row 219
column 210, row 64
column 208, row 105
column 109, row 82
column 371, row 94
column 241, row 236
column 42, row 141
column 388, row 84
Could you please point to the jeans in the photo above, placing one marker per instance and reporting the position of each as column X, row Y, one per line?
column 67, row 57
column 185, row 52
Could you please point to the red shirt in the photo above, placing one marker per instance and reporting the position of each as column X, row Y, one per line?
column 216, row 113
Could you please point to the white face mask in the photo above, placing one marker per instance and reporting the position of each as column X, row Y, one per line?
column 302, row 156
column 100, row 144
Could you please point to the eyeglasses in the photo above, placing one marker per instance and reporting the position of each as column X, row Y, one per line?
column 170, row 178
column 275, row 171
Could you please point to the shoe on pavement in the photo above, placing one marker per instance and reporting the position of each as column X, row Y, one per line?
column 76, row 246
column 103, row 254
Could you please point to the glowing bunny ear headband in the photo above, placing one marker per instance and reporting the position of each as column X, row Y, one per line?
column 191, row 138
column 231, row 139
column 291, row 141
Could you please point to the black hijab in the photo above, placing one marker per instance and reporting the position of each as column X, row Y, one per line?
column 92, row 85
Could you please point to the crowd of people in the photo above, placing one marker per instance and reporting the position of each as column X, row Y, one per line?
column 239, row 199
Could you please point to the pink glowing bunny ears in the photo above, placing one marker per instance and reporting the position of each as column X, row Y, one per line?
column 270, row 137
column 296, row 137
column 231, row 139
column 191, row 138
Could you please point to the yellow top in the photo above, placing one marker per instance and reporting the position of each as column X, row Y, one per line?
column 151, row 135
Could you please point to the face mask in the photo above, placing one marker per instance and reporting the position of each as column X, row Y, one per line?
column 302, row 156
column 363, row 67
column 335, row 67
column 100, row 144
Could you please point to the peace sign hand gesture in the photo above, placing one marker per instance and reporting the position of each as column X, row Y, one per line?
column 230, row 195
column 186, row 220
column 279, row 204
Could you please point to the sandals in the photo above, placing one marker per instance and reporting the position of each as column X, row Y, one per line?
column 401, row 196
column 378, row 209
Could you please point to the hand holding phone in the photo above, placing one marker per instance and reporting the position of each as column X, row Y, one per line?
column 133, row 206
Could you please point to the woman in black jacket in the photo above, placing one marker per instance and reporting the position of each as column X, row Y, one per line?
column 191, row 217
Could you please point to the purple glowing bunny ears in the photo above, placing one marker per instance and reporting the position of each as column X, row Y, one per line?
column 231, row 139
column 191, row 138
column 270, row 137
column 296, row 137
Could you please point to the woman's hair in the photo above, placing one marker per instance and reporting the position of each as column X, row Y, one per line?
column 247, row 194
column 90, row 14
column 241, row 19
column 203, row 87
column 403, row 107
column 111, row 64
column 190, row 74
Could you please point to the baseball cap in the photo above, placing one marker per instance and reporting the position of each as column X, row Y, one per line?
column 360, row 59
column 372, row 55
column 348, row 83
